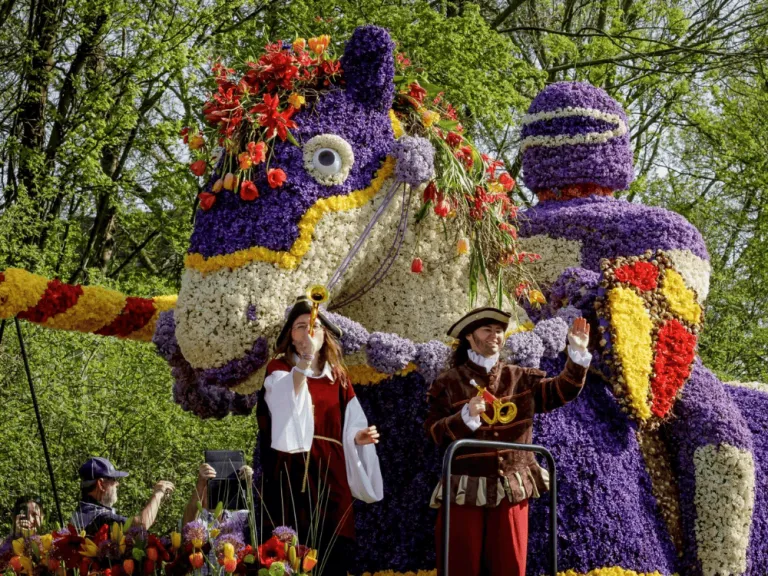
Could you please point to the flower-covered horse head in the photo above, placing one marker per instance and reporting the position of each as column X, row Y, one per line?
column 667, row 448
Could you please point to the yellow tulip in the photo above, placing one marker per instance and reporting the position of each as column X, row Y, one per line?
column 197, row 543
column 196, row 142
column 176, row 540
column 462, row 247
column 89, row 548
column 536, row 297
column 310, row 560
column 26, row 565
column 215, row 532
column 299, row 44
column 18, row 547
column 229, row 551
column 116, row 534
column 47, row 542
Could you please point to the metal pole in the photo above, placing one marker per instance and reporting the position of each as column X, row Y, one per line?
column 40, row 427
column 2, row 330
column 504, row 446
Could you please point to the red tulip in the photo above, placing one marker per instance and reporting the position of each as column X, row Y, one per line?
column 248, row 190
column 197, row 560
column 417, row 266
column 207, row 200
column 198, row 168
column 230, row 564
column 276, row 177
column 128, row 566
column 152, row 553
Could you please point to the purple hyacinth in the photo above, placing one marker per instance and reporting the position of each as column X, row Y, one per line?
column 354, row 335
column 369, row 67
column 553, row 334
column 415, row 160
column 389, row 353
column 432, row 358
column 608, row 164
column 234, row 371
column 525, row 349
column 609, row 227
column 164, row 337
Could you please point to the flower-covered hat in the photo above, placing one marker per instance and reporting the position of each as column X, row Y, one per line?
column 304, row 306
column 575, row 133
column 477, row 318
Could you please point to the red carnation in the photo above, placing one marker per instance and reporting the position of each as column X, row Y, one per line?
column 276, row 177
column 207, row 200
column 248, row 190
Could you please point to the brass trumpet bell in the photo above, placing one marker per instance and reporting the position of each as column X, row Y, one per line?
column 317, row 294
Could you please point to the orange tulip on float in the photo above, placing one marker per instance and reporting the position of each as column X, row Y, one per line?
column 197, row 560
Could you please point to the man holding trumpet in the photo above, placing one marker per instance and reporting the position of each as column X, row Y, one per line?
column 484, row 398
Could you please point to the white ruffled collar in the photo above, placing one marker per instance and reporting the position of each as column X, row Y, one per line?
column 487, row 362
column 326, row 373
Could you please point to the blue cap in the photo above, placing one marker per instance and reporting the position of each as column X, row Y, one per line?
column 95, row 468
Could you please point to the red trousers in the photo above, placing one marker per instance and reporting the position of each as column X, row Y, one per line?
column 485, row 541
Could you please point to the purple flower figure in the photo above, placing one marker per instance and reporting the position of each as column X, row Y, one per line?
column 415, row 160
column 553, row 333
column 389, row 353
column 525, row 349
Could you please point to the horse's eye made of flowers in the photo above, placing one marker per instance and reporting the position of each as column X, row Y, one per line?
column 328, row 159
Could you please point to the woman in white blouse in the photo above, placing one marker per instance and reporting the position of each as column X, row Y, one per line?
column 317, row 450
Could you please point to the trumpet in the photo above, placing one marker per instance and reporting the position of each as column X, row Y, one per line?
column 503, row 412
column 317, row 294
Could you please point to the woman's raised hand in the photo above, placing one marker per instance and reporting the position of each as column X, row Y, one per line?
column 367, row 436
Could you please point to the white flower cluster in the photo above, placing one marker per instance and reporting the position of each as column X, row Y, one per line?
column 694, row 270
column 336, row 149
column 565, row 140
column 420, row 307
column 557, row 254
column 724, row 498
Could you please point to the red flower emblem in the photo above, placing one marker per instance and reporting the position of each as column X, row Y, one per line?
column 644, row 275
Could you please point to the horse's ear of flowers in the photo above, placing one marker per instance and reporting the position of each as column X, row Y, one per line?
column 369, row 67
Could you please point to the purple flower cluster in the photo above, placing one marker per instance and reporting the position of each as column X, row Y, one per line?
column 608, row 227
column 164, row 337
column 234, row 538
column 415, row 158
column 369, row 67
column 195, row 530
column 236, row 370
column 606, row 163
column 207, row 399
column 569, row 314
column 432, row 359
column 606, row 510
column 354, row 335
column 284, row 533
column 389, row 353
column 553, row 334
column 525, row 349
column 754, row 406
column 398, row 532
column 705, row 415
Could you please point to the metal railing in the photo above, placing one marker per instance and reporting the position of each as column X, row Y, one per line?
column 502, row 446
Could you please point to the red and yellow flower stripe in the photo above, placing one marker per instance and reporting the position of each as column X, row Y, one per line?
column 90, row 309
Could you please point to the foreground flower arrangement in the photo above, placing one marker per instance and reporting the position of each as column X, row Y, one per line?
column 217, row 548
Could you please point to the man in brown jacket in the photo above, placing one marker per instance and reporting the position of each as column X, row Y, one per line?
column 490, row 488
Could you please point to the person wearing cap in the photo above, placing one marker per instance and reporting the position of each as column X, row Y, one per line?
column 98, row 494
column 490, row 488
column 315, row 439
